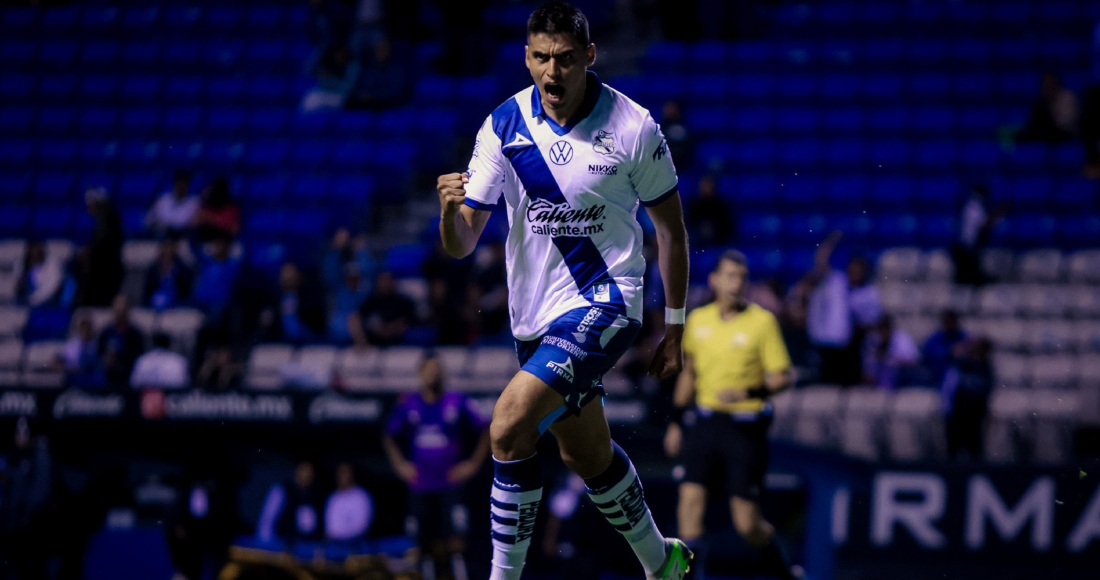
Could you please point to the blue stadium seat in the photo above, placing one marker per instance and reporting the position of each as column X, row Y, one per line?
column 14, row 184
column 479, row 89
column 1075, row 194
column 894, row 228
column 57, row 20
column 1024, row 230
column 141, row 17
column 937, row 192
column 846, row 191
column 843, row 120
column 1063, row 50
column 765, row 261
column 840, row 86
column 1018, row 86
column 55, row 188
column 709, row 121
column 141, row 89
column 16, row 53
column 265, row 223
column 143, row 53
column 15, row 152
column 978, row 120
column 97, row 152
column 927, row 52
column 353, row 189
column 138, row 188
column 890, row 154
column 352, row 154
column 883, row 50
column 442, row 121
column 267, row 88
column 51, row 222
column 99, row 17
column 359, row 124
column 759, row 227
column 267, row 154
column 267, row 120
column 403, row 260
column 1030, row 193
column 306, row 224
column 435, row 89
column 708, row 89
column 1076, row 231
column 55, row 119
column 800, row 191
column 100, row 53
column 800, row 154
column 182, row 89
column 844, row 153
column 309, row 190
column 979, row 155
column 182, row 120
column 46, row 323
column 1028, row 158
column 182, row 15
column 98, row 87
column 58, row 53
column 837, row 14
column 750, row 191
column 265, row 190
column 140, row 120
column 803, row 228
column 929, row 86
column 139, row 152
column 15, row 120
column 315, row 123
column 936, row 230
column 225, row 89
column 972, row 50
column 392, row 154
column 890, row 192
column 665, row 56
column 706, row 56
column 757, row 154
column 858, row 227
column 310, row 154
column 889, row 120
column 225, row 152
column 133, row 221
column 223, row 16
column 751, row 86
column 98, row 120
column 263, row 17
column 182, row 54
column 14, row 220
column 104, row 180
column 750, row 54
column 54, row 87
column 56, row 152
column 1011, row 12
column 15, row 86
column 225, row 121
column 935, row 120
column 800, row 120
column 752, row 119
column 935, row 155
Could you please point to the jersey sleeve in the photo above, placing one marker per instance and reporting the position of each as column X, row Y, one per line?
column 486, row 169
column 653, row 174
column 773, row 350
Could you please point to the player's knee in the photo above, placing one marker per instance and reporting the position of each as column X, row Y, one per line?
column 512, row 439
column 587, row 460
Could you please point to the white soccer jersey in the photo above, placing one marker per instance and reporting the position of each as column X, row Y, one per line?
column 572, row 193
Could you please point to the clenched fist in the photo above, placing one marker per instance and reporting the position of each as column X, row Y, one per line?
column 452, row 192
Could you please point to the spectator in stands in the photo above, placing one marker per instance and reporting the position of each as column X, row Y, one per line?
column 345, row 303
column 966, row 388
column 490, row 289
column 976, row 223
column 792, row 323
column 888, row 352
column 939, row 349
column 384, row 317
column 292, row 510
column 829, row 317
column 298, row 315
column 26, row 487
column 337, row 73
column 680, row 142
column 709, row 217
column 461, row 46
column 766, row 294
column 120, row 344
column 169, row 280
column 346, row 249
column 161, row 367
column 80, row 357
column 573, row 531
column 220, row 371
column 216, row 280
column 863, row 298
column 349, row 509
column 174, row 212
column 219, row 215
column 329, row 22
column 382, row 81
column 1090, row 129
column 427, row 443
column 447, row 291
column 1054, row 114
column 99, row 264
column 42, row 277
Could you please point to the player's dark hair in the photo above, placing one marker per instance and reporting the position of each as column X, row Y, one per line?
column 556, row 17
column 733, row 256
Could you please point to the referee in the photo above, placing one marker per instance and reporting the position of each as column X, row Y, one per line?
column 734, row 361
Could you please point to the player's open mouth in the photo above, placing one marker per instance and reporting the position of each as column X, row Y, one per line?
column 554, row 92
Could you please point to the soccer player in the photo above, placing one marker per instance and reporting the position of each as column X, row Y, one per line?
column 734, row 361
column 572, row 159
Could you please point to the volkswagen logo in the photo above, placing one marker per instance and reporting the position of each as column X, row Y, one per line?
column 561, row 153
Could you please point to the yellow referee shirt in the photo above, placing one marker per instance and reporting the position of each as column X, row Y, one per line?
column 733, row 354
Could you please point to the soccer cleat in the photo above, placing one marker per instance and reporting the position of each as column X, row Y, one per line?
column 677, row 561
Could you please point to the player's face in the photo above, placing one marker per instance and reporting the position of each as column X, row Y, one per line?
column 558, row 64
column 729, row 282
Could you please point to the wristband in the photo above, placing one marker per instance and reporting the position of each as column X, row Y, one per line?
column 675, row 315
column 759, row 393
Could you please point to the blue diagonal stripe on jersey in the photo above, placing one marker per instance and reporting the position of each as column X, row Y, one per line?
column 580, row 253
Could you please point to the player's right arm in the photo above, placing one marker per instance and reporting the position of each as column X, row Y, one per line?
column 460, row 225
column 465, row 199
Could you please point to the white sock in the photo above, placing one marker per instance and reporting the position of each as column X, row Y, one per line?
column 517, row 493
column 617, row 493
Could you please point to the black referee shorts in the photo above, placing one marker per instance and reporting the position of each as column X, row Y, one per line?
column 720, row 452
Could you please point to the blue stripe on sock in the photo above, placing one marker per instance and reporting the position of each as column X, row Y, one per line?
column 517, row 476
column 616, row 472
column 503, row 520
column 506, row 538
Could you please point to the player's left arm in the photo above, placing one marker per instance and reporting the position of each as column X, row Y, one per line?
column 672, row 256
